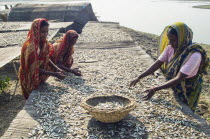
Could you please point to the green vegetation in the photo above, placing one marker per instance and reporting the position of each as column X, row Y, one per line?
column 207, row 48
column 202, row 6
column 4, row 82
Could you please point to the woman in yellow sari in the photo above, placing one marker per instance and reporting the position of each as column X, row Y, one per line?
column 34, row 61
column 182, row 62
column 63, row 51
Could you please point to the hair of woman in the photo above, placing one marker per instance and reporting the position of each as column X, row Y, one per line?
column 172, row 31
column 44, row 23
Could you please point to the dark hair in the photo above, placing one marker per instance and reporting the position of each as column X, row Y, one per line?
column 44, row 23
column 172, row 31
column 76, row 37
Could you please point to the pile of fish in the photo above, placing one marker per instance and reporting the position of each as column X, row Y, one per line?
column 58, row 102
column 109, row 105
column 108, row 71
column 11, row 25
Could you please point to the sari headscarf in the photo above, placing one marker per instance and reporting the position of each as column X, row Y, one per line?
column 189, row 89
column 185, row 36
column 31, row 61
column 64, row 50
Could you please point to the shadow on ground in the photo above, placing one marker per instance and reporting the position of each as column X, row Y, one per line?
column 11, row 99
column 9, row 108
column 128, row 128
column 44, row 110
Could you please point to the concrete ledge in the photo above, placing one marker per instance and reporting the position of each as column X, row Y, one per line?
column 203, row 124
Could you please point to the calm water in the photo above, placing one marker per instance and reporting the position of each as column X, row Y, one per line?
column 152, row 15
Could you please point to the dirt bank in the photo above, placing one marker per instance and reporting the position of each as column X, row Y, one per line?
column 202, row 6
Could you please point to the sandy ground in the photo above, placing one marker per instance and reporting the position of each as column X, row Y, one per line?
column 11, row 104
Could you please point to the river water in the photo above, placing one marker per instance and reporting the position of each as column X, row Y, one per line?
column 149, row 15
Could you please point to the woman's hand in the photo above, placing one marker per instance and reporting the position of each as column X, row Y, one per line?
column 76, row 72
column 155, row 66
column 133, row 83
column 151, row 92
column 60, row 75
column 60, row 70
column 180, row 77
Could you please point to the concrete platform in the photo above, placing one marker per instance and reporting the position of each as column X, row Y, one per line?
column 24, row 26
column 8, row 54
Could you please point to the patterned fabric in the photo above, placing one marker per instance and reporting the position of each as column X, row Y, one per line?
column 192, row 65
column 189, row 89
column 31, row 61
column 64, row 49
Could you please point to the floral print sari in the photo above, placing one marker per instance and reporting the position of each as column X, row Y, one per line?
column 64, row 49
column 32, row 59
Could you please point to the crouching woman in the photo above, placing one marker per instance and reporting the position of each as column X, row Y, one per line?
column 35, row 65
column 182, row 62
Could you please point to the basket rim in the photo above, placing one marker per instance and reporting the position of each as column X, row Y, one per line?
column 129, row 107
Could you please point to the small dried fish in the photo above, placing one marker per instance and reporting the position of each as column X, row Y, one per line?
column 58, row 101
column 109, row 105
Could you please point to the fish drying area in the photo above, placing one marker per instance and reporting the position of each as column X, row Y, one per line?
column 109, row 60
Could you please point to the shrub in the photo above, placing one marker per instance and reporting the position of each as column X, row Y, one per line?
column 4, row 82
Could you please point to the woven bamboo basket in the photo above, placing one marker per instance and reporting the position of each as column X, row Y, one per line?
column 108, row 115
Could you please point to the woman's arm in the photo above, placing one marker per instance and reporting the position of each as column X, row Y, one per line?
column 59, row 75
column 189, row 68
column 55, row 66
column 74, row 71
column 173, row 82
column 61, row 66
column 155, row 66
column 44, row 72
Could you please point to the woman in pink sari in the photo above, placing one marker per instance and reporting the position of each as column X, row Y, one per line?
column 35, row 64
column 63, row 51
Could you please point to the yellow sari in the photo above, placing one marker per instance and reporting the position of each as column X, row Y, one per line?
column 189, row 89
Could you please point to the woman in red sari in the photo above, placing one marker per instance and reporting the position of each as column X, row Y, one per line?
column 35, row 64
column 63, row 51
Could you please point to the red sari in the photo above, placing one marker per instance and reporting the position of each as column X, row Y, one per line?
column 32, row 59
column 64, row 49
